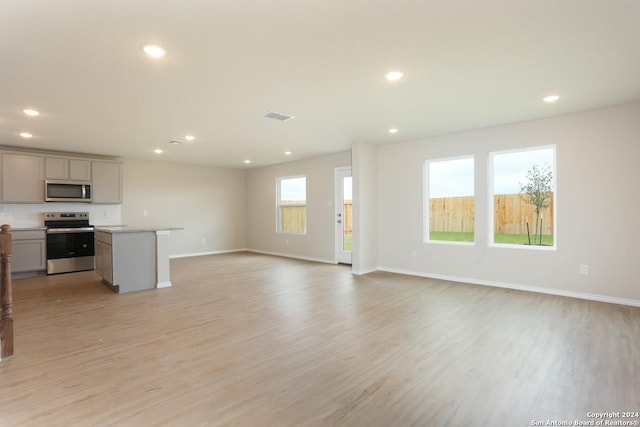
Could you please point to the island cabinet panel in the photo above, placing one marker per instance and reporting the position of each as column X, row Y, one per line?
column 134, row 261
column 22, row 178
column 126, row 261
column 107, row 182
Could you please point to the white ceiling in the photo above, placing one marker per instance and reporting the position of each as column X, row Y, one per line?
column 467, row 64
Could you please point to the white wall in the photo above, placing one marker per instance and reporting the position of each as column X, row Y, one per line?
column 208, row 202
column 365, row 208
column 598, row 170
column 319, row 242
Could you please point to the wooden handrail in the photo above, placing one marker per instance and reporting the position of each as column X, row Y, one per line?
column 6, row 298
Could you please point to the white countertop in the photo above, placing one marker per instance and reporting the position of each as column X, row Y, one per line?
column 135, row 229
column 27, row 229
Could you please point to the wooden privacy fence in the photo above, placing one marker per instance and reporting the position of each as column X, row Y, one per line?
column 293, row 217
column 452, row 214
column 348, row 217
column 457, row 214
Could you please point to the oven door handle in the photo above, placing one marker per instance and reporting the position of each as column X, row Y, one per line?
column 69, row 230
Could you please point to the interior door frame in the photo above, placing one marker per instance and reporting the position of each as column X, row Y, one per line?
column 338, row 203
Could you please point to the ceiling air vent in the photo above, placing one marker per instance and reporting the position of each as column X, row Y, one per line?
column 278, row 116
column 177, row 141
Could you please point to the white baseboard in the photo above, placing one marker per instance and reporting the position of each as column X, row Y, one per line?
column 365, row 271
column 304, row 258
column 559, row 292
column 163, row 285
column 206, row 253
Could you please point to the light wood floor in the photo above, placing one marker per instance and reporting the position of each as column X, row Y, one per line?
column 253, row 340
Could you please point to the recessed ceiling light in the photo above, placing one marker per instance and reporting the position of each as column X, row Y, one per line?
column 394, row 75
column 30, row 112
column 154, row 51
column 189, row 137
column 247, row 161
column 393, row 130
column 158, row 151
column 25, row 135
column 287, row 153
column 550, row 99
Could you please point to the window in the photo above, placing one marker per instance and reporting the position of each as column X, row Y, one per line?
column 523, row 197
column 449, row 188
column 291, row 205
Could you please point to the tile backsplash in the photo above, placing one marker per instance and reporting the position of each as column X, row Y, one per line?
column 30, row 215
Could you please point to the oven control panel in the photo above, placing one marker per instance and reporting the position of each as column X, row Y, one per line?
column 57, row 216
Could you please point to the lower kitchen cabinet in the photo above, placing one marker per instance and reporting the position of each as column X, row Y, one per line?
column 29, row 251
column 104, row 257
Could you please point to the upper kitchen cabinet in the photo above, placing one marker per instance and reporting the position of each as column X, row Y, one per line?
column 79, row 170
column 67, row 169
column 107, row 182
column 22, row 178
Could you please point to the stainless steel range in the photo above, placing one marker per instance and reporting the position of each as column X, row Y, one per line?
column 70, row 242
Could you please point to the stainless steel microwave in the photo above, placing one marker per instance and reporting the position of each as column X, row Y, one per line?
column 67, row 191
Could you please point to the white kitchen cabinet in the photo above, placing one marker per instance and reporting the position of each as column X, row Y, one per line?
column 99, row 256
column 29, row 251
column 67, row 169
column 56, row 168
column 79, row 170
column 104, row 257
column 22, row 178
column 107, row 272
column 107, row 182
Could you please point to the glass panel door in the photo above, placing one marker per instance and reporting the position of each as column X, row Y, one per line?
column 344, row 215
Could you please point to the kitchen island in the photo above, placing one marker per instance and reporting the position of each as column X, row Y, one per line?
column 132, row 259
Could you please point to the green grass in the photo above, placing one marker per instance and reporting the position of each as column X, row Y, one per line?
column 348, row 242
column 451, row 236
column 521, row 239
column 511, row 239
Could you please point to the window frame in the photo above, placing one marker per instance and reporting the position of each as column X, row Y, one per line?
column 278, row 205
column 426, row 200
column 491, row 196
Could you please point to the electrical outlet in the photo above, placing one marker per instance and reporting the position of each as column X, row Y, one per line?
column 145, row 212
column 584, row 269
column 203, row 240
column 414, row 253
